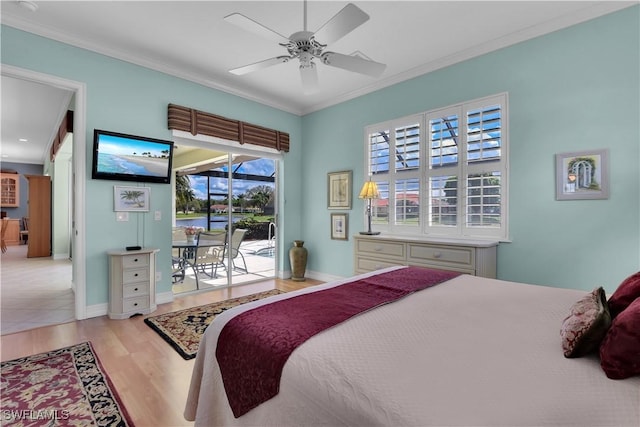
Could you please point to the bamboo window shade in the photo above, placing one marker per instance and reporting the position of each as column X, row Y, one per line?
column 199, row 122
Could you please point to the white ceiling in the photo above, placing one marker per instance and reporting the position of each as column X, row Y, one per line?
column 190, row 39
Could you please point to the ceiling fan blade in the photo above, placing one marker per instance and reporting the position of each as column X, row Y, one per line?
column 343, row 22
column 252, row 26
column 309, row 76
column 259, row 65
column 353, row 63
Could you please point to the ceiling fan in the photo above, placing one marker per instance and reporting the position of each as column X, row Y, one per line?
column 306, row 46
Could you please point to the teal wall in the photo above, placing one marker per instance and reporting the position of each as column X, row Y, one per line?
column 22, row 169
column 571, row 90
column 131, row 99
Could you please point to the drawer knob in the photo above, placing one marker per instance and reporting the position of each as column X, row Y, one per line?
column 135, row 275
column 135, row 289
column 377, row 248
column 135, row 260
column 135, row 304
column 437, row 254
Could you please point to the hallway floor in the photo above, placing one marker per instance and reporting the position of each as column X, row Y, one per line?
column 34, row 292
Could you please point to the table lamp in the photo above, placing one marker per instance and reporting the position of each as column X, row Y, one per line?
column 369, row 192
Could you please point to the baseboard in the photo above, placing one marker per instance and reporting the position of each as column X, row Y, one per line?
column 97, row 310
column 311, row 275
column 164, row 297
column 322, row 276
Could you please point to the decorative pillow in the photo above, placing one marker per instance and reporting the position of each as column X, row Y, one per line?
column 626, row 293
column 620, row 349
column 586, row 325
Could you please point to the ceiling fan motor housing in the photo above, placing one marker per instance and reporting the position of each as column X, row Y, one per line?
column 303, row 41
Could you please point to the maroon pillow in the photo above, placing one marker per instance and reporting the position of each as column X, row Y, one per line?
column 620, row 349
column 626, row 293
column 586, row 324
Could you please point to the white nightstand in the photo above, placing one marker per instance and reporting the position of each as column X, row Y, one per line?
column 132, row 282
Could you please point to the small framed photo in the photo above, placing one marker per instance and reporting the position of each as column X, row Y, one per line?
column 339, row 226
column 339, row 190
column 131, row 199
column 582, row 175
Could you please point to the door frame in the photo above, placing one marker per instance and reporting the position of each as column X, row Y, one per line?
column 79, row 174
column 232, row 147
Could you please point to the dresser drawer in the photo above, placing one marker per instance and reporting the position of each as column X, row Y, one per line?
column 135, row 260
column 447, row 256
column 371, row 264
column 135, row 275
column 381, row 249
column 135, row 290
column 133, row 304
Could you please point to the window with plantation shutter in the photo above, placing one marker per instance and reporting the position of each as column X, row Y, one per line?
column 394, row 162
column 444, row 172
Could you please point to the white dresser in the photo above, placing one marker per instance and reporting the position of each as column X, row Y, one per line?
column 476, row 257
column 132, row 282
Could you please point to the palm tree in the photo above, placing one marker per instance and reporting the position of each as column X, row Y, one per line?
column 260, row 195
column 184, row 193
column 132, row 197
column 241, row 200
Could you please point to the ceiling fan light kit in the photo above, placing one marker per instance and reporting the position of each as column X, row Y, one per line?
column 305, row 46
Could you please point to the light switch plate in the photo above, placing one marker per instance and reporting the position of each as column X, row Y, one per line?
column 122, row 216
column 158, row 215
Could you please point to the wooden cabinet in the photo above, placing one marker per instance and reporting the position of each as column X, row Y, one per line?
column 132, row 282
column 39, row 213
column 10, row 190
column 476, row 257
column 12, row 232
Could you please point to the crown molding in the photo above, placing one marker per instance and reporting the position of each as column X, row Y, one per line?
column 65, row 38
column 587, row 14
column 594, row 10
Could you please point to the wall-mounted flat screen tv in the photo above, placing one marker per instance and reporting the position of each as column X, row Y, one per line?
column 124, row 157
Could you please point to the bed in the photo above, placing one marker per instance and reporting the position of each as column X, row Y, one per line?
column 470, row 351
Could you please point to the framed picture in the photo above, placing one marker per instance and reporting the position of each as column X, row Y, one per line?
column 339, row 226
column 131, row 199
column 582, row 175
column 339, row 190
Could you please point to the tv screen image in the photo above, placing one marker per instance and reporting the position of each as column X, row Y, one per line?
column 123, row 157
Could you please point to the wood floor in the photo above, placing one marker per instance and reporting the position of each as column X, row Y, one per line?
column 151, row 377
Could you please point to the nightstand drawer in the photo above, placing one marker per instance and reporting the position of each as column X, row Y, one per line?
column 135, row 260
column 370, row 264
column 135, row 275
column 382, row 249
column 135, row 290
column 133, row 304
column 441, row 255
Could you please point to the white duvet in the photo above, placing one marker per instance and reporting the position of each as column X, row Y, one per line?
column 469, row 352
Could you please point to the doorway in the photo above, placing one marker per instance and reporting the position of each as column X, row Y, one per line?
column 77, row 276
column 235, row 195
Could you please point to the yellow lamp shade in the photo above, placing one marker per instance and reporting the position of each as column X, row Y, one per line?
column 369, row 191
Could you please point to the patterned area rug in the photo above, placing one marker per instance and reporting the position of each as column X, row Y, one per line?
column 183, row 329
column 65, row 387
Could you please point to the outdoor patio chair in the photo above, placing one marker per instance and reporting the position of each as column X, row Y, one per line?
column 177, row 259
column 236, row 239
column 209, row 254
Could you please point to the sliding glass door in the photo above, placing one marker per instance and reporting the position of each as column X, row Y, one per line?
column 234, row 196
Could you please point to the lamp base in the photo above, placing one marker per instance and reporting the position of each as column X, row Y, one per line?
column 370, row 233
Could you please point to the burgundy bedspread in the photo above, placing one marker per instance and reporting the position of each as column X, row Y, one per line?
column 253, row 347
